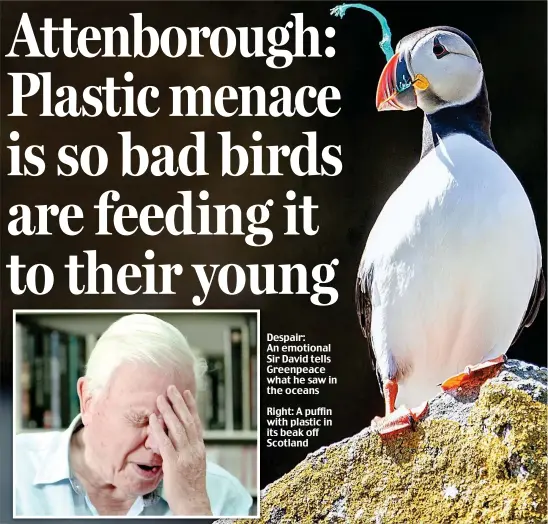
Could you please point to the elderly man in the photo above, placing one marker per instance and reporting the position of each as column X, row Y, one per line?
column 137, row 448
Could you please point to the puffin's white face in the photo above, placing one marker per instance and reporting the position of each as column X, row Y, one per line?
column 440, row 70
column 451, row 68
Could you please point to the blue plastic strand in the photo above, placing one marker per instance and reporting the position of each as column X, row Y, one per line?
column 385, row 43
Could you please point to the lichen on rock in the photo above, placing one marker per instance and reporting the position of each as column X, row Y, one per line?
column 478, row 456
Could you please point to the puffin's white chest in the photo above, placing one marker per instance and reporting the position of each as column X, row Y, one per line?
column 455, row 254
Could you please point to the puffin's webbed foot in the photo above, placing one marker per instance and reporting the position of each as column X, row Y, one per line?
column 399, row 421
column 396, row 421
column 474, row 376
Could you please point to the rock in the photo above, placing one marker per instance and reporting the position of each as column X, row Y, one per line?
column 478, row 456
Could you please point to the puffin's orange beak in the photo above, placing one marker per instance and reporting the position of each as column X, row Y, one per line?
column 396, row 87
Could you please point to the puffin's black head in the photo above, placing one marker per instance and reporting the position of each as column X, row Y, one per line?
column 433, row 69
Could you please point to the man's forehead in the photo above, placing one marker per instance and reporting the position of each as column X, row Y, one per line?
column 143, row 379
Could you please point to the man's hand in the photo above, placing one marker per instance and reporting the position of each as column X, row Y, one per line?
column 183, row 453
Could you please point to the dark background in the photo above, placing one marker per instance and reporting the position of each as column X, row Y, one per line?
column 378, row 151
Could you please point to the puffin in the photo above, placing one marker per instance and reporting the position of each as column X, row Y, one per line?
column 452, row 268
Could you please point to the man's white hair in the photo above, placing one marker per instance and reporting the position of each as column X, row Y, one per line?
column 141, row 338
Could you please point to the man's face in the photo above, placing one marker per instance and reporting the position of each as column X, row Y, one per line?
column 117, row 435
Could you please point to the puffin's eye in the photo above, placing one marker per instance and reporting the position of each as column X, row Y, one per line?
column 439, row 50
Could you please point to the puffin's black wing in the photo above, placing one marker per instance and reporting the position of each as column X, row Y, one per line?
column 362, row 296
column 539, row 292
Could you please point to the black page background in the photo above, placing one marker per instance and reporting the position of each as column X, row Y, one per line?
column 378, row 150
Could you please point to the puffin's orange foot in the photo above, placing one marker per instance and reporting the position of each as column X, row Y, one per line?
column 475, row 375
column 399, row 421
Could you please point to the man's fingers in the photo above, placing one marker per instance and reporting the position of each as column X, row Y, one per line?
column 183, row 413
column 159, row 435
column 193, row 408
column 175, row 428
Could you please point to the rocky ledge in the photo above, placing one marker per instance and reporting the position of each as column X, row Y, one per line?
column 478, row 456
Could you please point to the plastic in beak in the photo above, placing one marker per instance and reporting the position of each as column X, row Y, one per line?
column 395, row 90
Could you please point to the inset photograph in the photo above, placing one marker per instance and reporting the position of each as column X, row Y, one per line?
column 134, row 413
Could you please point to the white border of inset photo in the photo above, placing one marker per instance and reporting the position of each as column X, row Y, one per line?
column 216, row 435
